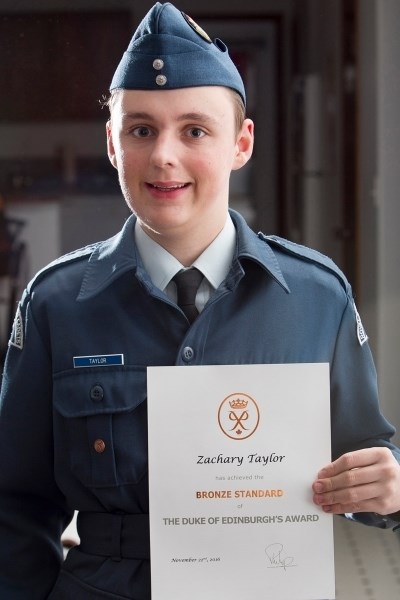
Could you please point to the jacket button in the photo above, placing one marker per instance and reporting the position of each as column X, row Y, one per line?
column 97, row 393
column 99, row 446
column 187, row 354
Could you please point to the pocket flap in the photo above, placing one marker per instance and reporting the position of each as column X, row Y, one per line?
column 84, row 392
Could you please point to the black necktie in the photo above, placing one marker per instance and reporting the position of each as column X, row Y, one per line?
column 187, row 283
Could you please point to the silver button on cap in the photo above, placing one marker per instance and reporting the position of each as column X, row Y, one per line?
column 161, row 80
column 158, row 64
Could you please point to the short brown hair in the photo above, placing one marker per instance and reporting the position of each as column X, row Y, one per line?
column 240, row 110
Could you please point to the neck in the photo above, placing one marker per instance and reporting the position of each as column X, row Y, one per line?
column 186, row 247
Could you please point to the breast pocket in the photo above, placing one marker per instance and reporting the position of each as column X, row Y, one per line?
column 100, row 424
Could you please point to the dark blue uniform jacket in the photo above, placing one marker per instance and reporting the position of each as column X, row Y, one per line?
column 76, row 438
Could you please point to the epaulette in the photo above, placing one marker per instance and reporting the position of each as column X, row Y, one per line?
column 307, row 254
column 18, row 333
column 70, row 257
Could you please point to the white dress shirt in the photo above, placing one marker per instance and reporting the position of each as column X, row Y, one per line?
column 214, row 263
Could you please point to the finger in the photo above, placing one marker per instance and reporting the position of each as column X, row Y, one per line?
column 353, row 507
column 348, row 479
column 354, row 460
column 382, row 498
column 354, row 496
column 386, row 473
column 377, row 505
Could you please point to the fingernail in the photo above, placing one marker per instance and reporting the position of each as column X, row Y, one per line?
column 318, row 487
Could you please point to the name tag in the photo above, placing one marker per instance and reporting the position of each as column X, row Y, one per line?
column 99, row 360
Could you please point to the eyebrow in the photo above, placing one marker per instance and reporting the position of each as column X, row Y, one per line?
column 190, row 116
column 195, row 116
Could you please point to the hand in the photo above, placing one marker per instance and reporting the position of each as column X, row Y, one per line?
column 366, row 480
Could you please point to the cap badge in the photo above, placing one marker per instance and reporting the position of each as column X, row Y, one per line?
column 197, row 28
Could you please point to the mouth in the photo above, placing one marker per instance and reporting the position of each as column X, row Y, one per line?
column 167, row 187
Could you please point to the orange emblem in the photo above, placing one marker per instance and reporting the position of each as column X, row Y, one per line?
column 238, row 416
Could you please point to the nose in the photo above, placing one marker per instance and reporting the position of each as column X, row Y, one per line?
column 164, row 151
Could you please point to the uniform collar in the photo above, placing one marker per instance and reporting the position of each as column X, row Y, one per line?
column 256, row 248
column 110, row 259
column 214, row 262
column 118, row 255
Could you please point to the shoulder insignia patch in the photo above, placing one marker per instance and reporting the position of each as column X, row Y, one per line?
column 17, row 334
column 361, row 333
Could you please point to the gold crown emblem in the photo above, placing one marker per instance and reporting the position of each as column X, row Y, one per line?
column 238, row 403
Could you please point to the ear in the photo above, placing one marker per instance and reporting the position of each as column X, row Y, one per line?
column 110, row 145
column 244, row 144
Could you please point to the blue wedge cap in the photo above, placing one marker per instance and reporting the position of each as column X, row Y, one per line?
column 170, row 51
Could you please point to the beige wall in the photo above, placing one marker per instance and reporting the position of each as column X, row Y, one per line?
column 388, row 203
column 379, row 206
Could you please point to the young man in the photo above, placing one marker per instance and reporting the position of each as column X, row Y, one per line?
column 73, row 430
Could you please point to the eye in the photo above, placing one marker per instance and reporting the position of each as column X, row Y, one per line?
column 142, row 131
column 196, row 132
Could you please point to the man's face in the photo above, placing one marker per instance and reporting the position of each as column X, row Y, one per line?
column 174, row 151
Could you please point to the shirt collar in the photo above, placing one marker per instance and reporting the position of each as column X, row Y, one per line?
column 216, row 259
column 118, row 255
column 214, row 262
column 160, row 265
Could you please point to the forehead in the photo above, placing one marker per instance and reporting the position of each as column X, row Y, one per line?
column 215, row 101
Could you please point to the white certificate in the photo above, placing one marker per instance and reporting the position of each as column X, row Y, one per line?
column 233, row 451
